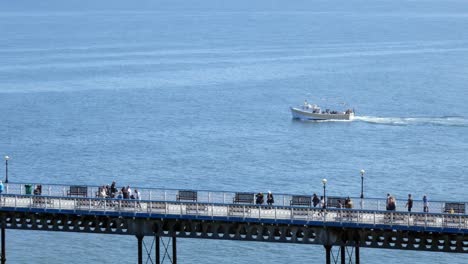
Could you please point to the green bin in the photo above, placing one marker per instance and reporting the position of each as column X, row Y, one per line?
column 28, row 188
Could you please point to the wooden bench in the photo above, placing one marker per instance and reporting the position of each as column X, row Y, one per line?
column 187, row 196
column 78, row 191
column 244, row 197
column 458, row 208
column 301, row 200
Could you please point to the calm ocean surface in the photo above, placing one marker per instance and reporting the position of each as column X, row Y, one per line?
column 195, row 94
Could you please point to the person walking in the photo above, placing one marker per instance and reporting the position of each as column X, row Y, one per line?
column 1, row 187
column 388, row 202
column 425, row 204
column 137, row 196
column 315, row 200
column 409, row 203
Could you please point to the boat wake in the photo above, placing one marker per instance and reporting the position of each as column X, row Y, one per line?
column 407, row 121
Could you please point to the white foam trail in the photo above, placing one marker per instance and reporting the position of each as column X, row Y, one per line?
column 405, row 121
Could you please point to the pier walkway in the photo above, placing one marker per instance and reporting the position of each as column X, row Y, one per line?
column 219, row 215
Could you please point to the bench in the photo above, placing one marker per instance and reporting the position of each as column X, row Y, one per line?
column 301, row 200
column 458, row 208
column 244, row 197
column 239, row 210
column 78, row 191
column 332, row 202
column 187, row 196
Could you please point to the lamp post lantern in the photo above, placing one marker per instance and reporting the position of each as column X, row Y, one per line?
column 6, row 168
column 324, row 182
column 362, row 183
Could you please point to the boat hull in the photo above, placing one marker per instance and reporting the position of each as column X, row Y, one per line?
column 307, row 115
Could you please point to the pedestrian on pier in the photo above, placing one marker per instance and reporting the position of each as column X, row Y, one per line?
column 113, row 189
column 270, row 199
column 259, row 198
column 315, row 200
column 391, row 204
column 388, row 202
column 409, row 203
column 425, row 204
column 322, row 203
column 38, row 190
column 137, row 196
column 1, row 187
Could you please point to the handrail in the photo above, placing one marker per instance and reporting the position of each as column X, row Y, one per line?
column 252, row 212
column 222, row 196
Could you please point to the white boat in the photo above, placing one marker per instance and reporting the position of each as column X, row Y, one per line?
column 314, row 112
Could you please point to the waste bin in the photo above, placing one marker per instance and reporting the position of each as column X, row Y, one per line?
column 28, row 188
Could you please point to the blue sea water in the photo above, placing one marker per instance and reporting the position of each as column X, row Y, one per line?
column 196, row 94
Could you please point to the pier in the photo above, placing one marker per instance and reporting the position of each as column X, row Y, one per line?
column 168, row 214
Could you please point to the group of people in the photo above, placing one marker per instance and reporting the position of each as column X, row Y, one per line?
column 391, row 203
column 111, row 191
column 260, row 199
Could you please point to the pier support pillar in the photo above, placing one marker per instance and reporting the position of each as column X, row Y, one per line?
column 174, row 250
column 3, row 257
column 140, row 249
column 343, row 255
column 356, row 253
column 157, row 249
column 328, row 254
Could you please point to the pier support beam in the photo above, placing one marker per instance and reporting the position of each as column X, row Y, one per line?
column 328, row 254
column 343, row 255
column 356, row 253
column 174, row 250
column 3, row 257
column 157, row 249
column 140, row 249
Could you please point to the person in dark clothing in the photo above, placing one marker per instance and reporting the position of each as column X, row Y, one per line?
column 259, row 198
column 315, row 200
column 38, row 190
column 409, row 203
column 113, row 189
column 270, row 199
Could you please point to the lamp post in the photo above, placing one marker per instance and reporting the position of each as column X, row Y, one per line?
column 324, row 182
column 362, row 183
column 6, row 168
